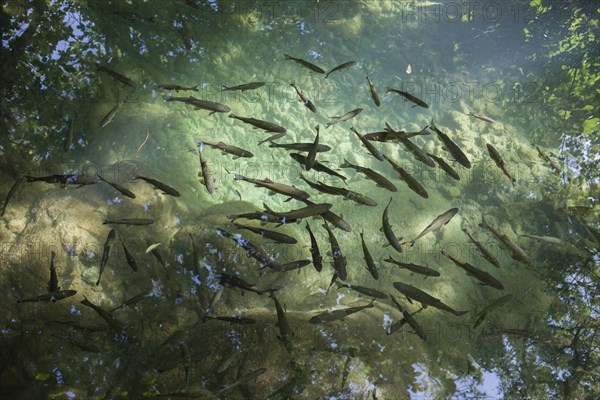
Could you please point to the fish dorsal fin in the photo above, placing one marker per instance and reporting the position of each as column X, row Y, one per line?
column 268, row 180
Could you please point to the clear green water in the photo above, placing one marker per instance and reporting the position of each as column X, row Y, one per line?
column 510, row 62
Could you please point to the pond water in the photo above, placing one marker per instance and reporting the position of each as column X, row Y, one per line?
column 458, row 240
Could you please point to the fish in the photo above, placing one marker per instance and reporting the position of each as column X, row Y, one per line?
column 129, row 221
column 493, row 305
column 195, row 259
column 211, row 106
column 108, row 245
column 177, row 88
column 186, row 35
column 294, row 386
column 241, row 380
column 309, row 104
column 555, row 168
column 499, row 162
column 410, row 320
column 374, row 94
column 115, row 325
column 415, row 150
column 207, row 178
column 274, row 236
column 336, row 315
column 133, row 300
column 69, row 138
column 11, row 193
column 515, row 251
column 387, row 230
column 253, row 251
column 339, row 261
column 482, row 117
column 258, row 215
column 231, row 359
column 412, row 293
column 340, row 67
column 408, row 97
column 111, row 114
column 291, row 266
column 133, row 16
column 372, row 149
column 312, row 153
column 376, row 294
column 192, row 3
column 123, row 190
column 257, row 123
column 305, row 212
column 66, row 179
column 285, row 332
column 436, row 224
column 159, row 185
column 53, row 282
column 234, row 281
column 305, row 64
column 379, row 179
column 187, row 363
column 345, row 117
column 545, row 239
column 315, row 253
column 152, row 247
column 82, row 345
column 484, row 252
column 408, row 179
column 321, row 148
column 215, row 299
column 417, row 269
column 245, row 86
column 281, row 188
column 272, row 138
column 332, row 218
column 332, row 281
column 119, row 77
column 231, row 320
column 227, row 149
column 391, row 135
column 129, row 257
column 336, row 191
column 451, row 147
column 445, row 167
column 53, row 297
column 317, row 166
column 345, row 373
column 371, row 267
column 475, row 272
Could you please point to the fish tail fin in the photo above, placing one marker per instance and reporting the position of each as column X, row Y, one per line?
column 327, row 125
column 483, row 223
column 239, row 177
column 195, row 88
column 287, row 56
column 412, row 243
column 345, row 164
column 106, row 222
column 327, row 74
column 232, row 115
